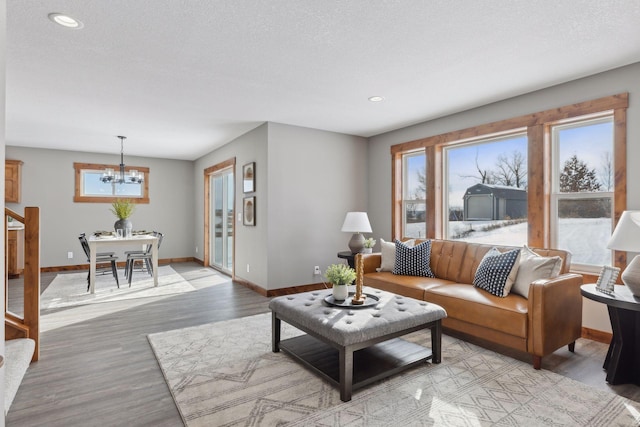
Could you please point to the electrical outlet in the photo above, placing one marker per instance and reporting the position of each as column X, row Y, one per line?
column 196, row 249
column 70, row 255
column 316, row 270
column 247, row 268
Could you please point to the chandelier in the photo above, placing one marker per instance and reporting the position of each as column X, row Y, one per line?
column 132, row 177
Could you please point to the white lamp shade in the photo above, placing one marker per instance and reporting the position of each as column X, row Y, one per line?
column 356, row 222
column 626, row 236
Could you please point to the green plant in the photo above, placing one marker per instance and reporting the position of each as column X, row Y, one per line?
column 122, row 208
column 340, row 274
column 369, row 243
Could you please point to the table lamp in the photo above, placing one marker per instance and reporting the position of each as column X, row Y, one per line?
column 626, row 237
column 356, row 223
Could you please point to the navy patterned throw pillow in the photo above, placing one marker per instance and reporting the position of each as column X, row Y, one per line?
column 497, row 272
column 413, row 261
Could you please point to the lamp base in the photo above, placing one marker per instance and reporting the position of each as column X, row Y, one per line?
column 631, row 276
column 356, row 244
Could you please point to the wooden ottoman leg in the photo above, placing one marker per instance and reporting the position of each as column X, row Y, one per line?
column 275, row 332
column 436, row 342
column 346, row 373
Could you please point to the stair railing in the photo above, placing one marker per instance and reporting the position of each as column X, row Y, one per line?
column 27, row 326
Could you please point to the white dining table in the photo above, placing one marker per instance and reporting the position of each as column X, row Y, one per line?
column 99, row 244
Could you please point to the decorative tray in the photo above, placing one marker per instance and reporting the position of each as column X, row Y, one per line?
column 368, row 301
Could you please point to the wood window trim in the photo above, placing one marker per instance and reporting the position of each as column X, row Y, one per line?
column 79, row 198
column 537, row 126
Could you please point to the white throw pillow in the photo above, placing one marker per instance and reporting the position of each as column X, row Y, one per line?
column 534, row 267
column 388, row 253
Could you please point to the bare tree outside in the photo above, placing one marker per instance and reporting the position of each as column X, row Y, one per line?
column 606, row 171
column 421, row 191
column 485, row 176
column 511, row 170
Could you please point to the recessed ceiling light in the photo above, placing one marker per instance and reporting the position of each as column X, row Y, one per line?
column 376, row 98
column 66, row 21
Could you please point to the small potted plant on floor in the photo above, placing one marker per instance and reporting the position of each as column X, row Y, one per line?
column 368, row 245
column 340, row 276
column 123, row 208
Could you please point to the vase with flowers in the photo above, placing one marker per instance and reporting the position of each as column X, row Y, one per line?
column 368, row 245
column 340, row 276
column 123, row 208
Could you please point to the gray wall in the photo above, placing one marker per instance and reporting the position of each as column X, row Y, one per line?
column 306, row 181
column 315, row 178
column 625, row 79
column 48, row 182
column 251, row 242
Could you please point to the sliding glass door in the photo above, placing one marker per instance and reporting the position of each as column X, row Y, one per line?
column 222, row 202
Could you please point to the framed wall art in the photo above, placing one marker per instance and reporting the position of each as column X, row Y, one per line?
column 249, row 211
column 249, row 177
column 607, row 279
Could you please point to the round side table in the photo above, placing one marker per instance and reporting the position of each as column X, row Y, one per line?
column 349, row 256
column 622, row 361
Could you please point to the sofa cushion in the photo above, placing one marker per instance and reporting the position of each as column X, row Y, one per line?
column 473, row 305
column 410, row 286
column 413, row 261
column 534, row 267
column 497, row 271
column 388, row 252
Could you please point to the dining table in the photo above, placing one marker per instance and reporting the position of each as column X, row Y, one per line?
column 98, row 243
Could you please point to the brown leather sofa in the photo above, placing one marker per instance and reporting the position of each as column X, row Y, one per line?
column 548, row 319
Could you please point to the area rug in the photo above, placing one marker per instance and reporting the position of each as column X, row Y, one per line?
column 70, row 289
column 224, row 374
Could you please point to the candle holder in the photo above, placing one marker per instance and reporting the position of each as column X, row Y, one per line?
column 359, row 297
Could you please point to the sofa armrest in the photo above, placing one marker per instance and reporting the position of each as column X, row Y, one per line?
column 372, row 262
column 554, row 313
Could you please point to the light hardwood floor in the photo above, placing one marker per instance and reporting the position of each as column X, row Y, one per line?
column 101, row 370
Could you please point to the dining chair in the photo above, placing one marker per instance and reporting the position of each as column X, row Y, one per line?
column 101, row 258
column 145, row 248
column 144, row 256
column 99, row 254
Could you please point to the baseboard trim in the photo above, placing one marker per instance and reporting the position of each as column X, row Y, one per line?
column 295, row 289
column 278, row 292
column 255, row 288
column 596, row 335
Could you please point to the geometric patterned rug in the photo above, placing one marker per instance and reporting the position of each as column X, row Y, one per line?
column 224, row 374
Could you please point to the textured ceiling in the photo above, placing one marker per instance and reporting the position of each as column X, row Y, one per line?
column 180, row 78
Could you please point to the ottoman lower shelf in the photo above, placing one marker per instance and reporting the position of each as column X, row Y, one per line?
column 370, row 364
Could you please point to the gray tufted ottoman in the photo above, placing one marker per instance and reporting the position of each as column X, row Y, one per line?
column 353, row 347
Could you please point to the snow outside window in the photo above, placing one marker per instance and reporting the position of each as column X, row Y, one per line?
column 582, row 191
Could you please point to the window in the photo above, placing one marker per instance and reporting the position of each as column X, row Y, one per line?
column 554, row 178
column 89, row 188
column 583, row 189
column 414, row 192
column 485, row 191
